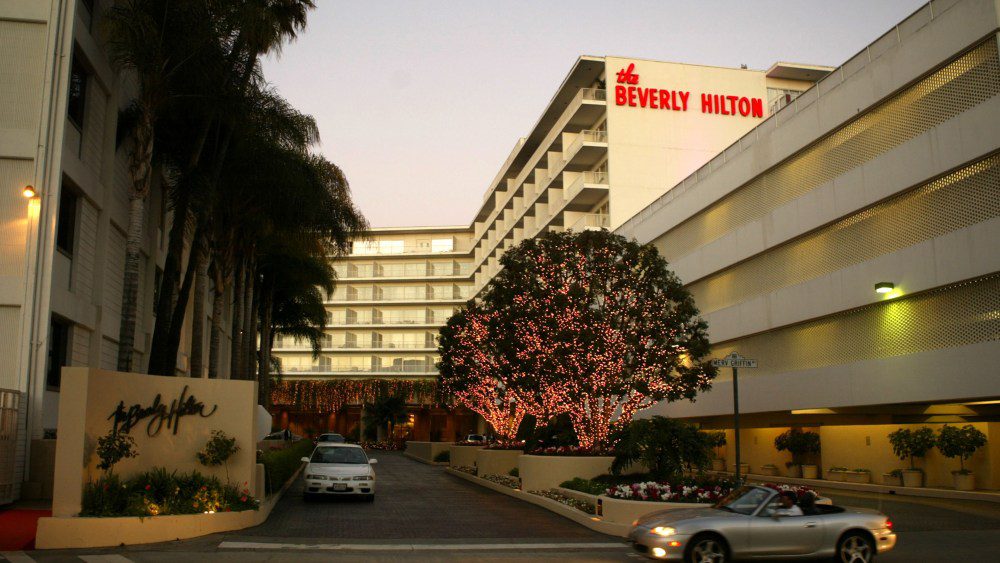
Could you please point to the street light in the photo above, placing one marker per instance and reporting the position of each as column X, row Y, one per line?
column 29, row 192
column 884, row 287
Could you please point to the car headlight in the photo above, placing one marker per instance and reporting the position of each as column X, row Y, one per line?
column 663, row 531
column 316, row 477
column 361, row 477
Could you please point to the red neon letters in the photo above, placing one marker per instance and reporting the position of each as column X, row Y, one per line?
column 677, row 100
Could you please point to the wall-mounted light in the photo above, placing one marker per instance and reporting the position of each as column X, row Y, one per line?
column 884, row 287
column 29, row 192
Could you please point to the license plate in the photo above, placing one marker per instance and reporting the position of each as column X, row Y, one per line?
column 339, row 487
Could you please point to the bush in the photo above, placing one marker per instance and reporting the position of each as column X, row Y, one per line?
column 908, row 443
column 280, row 465
column 584, row 486
column 960, row 442
column 160, row 492
column 218, row 450
column 667, row 447
column 114, row 447
column 515, row 472
column 442, row 457
column 797, row 443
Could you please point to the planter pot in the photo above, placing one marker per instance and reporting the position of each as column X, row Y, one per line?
column 621, row 511
column 913, row 478
column 795, row 471
column 496, row 462
column 543, row 472
column 769, row 471
column 718, row 464
column 859, row 477
column 835, row 475
column 426, row 451
column 964, row 481
column 810, row 472
column 463, row 456
column 892, row 480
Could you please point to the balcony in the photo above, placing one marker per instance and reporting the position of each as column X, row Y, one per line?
column 586, row 150
column 590, row 222
column 587, row 190
column 402, row 271
column 421, row 369
column 401, row 295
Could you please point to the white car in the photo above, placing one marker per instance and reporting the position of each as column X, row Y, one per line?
column 339, row 469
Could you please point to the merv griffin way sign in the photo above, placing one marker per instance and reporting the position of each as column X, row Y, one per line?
column 734, row 360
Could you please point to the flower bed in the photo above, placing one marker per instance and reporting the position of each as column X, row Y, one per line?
column 279, row 465
column 505, row 480
column 465, row 469
column 578, row 504
column 161, row 492
column 384, row 445
column 568, row 451
column 668, row 492
column 506, row 445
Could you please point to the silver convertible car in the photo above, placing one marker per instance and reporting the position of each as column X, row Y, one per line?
column 752, row 523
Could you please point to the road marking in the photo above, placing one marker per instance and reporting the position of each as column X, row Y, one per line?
column 16, row 557
column 105, row 559
column 417, row 546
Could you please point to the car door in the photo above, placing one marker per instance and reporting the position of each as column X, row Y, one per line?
column 783, row 535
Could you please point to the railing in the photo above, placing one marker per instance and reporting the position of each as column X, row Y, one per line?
column 590, row 177
column 443, row 295
column 354, row 369
column 403, row 271
column 593, row 94
column 585, row 136
column 590, row 222
column 429, row 320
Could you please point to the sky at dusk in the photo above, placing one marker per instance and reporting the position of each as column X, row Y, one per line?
column 420, row 102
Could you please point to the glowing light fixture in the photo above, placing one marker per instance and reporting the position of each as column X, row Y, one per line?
column 659, row 552
column 29, row 192
column 884, row 287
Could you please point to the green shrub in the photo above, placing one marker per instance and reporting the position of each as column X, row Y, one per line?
column 960, row 442
column 114, row 447
column 584, row 486
column 908, row 443
column 515, row 472
column 280, row 465
column 162, row 492
column 443, row 456
column 797, row 443
column 218, row 450
column 666, row 446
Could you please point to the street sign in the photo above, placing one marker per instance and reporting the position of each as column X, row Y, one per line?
column 734, row 360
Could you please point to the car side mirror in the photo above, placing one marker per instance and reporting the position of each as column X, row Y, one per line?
column 305, row 459
column 372, row 461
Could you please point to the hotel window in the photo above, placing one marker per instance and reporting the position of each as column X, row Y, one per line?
column 442, row 245
column 66, row 222
column 390, row 247
column 78, row 78
column 364, row 247
column 58, row 352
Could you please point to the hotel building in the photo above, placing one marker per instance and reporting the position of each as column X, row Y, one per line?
column 850, row 243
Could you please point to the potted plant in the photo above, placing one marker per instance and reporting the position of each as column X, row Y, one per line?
column 859, row 475
column 837, row 473
column 893, row 478
column 770, row 469
column 911, row 444
column 717, row 440
column 800, row 444
column 961, row 443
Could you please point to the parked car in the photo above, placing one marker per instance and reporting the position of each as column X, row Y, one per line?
column 339, row 469
column 476, row 438
column 330, row 437
column 283, row 435
column 747, row 524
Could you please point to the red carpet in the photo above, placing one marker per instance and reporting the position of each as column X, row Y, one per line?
column 17, row 528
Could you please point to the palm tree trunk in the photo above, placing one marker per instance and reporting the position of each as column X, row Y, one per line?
column 266, row 342
column 169, row 287
column 249, row 321
column 198, row 322
column 215, row 339
column 236, row 355
column 180, row 308
column 141, row 173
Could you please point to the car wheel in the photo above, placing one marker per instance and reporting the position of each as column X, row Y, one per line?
column 855, row 547
column 708, row 548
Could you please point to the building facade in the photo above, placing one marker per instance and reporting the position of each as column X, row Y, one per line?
column 63, row 251
column 849, row 244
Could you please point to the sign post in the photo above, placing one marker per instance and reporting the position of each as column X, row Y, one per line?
column 736, row 361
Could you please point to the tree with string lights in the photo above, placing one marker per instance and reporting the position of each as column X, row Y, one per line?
column 588, row 324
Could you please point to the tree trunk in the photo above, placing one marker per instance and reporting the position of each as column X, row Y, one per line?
column 169, row 365
column 236, row 355
column 198, row 322
column 218, row 303
column 266, row 342
column 249, row 319
column 169, row 286
column 141, row 174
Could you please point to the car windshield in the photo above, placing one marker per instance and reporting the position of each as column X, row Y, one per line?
column 339, row 455
column 744, row 500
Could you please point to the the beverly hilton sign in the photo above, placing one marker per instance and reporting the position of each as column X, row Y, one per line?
column 629, row 93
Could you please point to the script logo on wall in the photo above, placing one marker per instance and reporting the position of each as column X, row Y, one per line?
column 628, row 92
column 159, row 413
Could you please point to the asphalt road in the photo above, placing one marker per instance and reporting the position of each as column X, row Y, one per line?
column 421, row 513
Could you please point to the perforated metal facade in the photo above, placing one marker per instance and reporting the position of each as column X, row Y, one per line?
column 964, row 83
